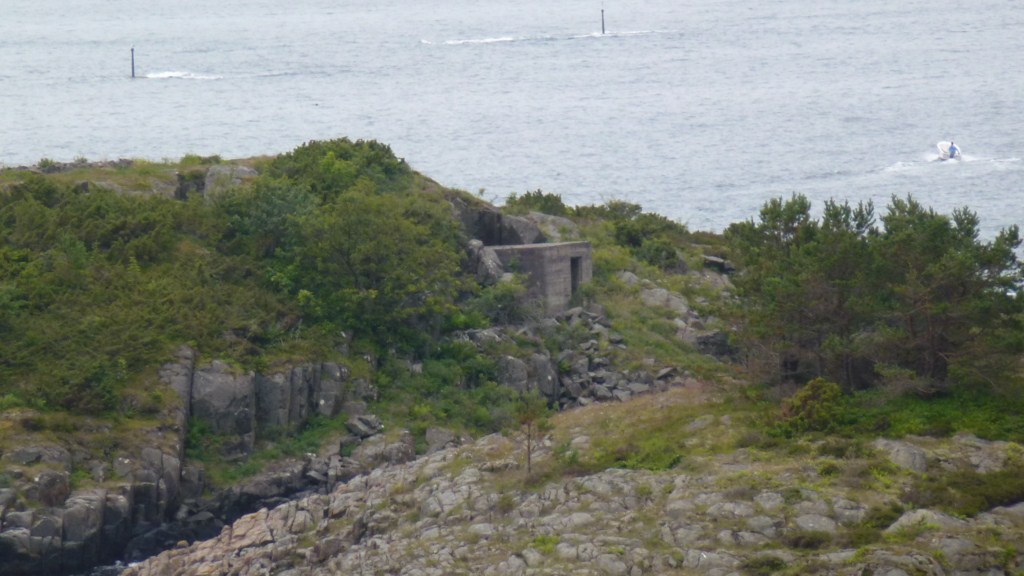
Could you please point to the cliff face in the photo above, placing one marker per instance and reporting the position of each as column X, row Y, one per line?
column 48, row 524
column 136, row 477
column 466, row 510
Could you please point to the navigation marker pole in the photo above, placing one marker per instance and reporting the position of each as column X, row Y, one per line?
column 133, row 61
column 602, row 20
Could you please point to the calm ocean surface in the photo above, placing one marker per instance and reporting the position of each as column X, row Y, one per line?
column 698, row 109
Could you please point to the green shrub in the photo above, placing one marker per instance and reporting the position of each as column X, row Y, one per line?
column 9, row 401
column 661, row 253
column 385, row 266
column 612, row 210
column 545, row 544
column 263, row 220
column 634, row 232
column 815, row 407
column 329, row 168
column 536, row 201
column 883, row 516
column 503, row 303
column 199, row 440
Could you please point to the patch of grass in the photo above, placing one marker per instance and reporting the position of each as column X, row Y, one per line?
column 883, row 474
column 869, row 530
column 792, row 495
column 203, row 446
column 649, row 432
column 842, row 448
column 829, row 469
column 650, row 332
column 747, row 484
column 763, row 565
column 197, row 160
column 651, row 453
column 988, row 415
column 79, row 478
column 807, row 539
column 910, row 533
column 759, row 439
column 545, row 544
column 506, row 503
column 967, row 492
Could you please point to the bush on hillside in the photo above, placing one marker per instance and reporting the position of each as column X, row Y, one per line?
column 328, row 168
column 815, row 407
column 536, row 201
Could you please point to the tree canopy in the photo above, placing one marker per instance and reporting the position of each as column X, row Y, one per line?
column 916, row 297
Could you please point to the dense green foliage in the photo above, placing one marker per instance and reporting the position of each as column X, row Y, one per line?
column 536, row 201
column 327, row 168
column 331, row 240
column 98, row 286
column 651, row 238
column 919, row 302
column 987, row 414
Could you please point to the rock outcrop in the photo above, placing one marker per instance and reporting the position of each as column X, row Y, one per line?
column 583, row 373
column 147, row 499
column 489, row 225
column 47, row 526
column 485, row 263
column 458, row 511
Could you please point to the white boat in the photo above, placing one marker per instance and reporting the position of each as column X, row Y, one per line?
column 943, row 148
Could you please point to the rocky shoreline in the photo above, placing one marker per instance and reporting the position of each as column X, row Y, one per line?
column 462, row 511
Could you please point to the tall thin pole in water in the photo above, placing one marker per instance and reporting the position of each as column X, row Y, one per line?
column 602, row 20
column 133, row 61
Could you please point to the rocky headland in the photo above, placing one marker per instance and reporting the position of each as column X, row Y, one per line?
column 77, row 491
column 471, row 510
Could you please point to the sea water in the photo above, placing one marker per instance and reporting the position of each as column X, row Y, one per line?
column 700, row 110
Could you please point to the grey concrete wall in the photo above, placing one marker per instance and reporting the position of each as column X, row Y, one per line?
column 549, row 270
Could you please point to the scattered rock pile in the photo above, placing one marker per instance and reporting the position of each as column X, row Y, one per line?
column 583, row 373
column 579, row 375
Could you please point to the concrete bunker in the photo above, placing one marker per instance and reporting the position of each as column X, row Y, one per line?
column 554, row 271
column 528, row 244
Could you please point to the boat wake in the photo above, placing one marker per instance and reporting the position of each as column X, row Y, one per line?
column 180, row 75
column 975, row 164
column 541, row 38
